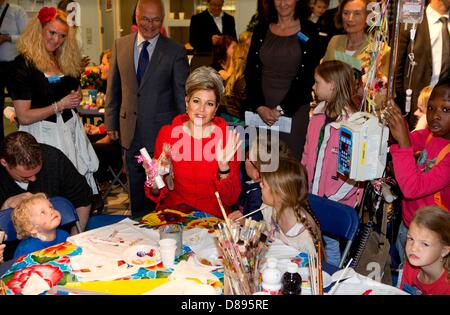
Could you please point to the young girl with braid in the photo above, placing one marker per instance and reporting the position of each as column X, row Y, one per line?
column 285, row 192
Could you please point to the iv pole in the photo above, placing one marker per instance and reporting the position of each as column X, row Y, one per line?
column 394, row 51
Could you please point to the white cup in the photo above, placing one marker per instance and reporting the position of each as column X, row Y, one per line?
column 168, row 255
column 174, row 231
column 181, row 15
column 167, row 242
column 171, row 15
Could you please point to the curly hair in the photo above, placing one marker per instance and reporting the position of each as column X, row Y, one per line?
column 21, row 216
column 67, row 57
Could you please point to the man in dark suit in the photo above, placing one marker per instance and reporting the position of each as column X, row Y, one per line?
column 204, row 26
column 428, row 54
column 145, row 91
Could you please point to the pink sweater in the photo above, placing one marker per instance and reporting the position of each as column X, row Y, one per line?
column 419, row 181
column 323, row 179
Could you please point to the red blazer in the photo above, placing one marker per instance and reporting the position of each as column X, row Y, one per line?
column 196, row 170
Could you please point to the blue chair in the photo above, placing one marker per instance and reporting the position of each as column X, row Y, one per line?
column 68, row 211
column 336, row 220
column 7, row 225
column 65, row 207
column 100, row 220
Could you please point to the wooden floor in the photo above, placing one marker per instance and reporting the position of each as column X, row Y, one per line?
column 117, row 202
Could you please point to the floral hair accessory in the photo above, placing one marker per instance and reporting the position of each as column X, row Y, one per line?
column 46, row 14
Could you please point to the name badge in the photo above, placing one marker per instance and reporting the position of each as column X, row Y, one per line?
column 54, row 79
column 302, row 37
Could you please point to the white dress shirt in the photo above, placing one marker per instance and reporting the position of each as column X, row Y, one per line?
column 218, row 21
column 435, row 28
column 13, row 25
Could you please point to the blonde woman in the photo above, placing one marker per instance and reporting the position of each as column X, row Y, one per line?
column 204, row 152
column 235, row 84
column 45, row 88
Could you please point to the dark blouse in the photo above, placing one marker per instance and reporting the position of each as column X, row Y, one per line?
column 280, row 56
column 299, row 93
column 29, row 83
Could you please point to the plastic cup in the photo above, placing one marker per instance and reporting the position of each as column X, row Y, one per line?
column 167, row 242
column 168, row 255
column 175, row 232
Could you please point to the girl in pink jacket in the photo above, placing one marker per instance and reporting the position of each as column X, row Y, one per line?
column 334, row 83
column 425, row 181
column 334, row 86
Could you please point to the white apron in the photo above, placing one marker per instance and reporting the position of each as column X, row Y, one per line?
column 71, row 139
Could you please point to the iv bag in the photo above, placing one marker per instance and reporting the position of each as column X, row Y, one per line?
column 411, row 11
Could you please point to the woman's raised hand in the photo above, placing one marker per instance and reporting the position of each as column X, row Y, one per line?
column 225, row 155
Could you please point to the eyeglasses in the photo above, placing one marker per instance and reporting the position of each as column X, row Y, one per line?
column 156, row 20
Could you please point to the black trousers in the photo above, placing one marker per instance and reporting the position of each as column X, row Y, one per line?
column 139, row 203
column 297, row 138
column 5, row 72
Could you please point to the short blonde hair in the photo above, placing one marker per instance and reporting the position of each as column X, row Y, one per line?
column 424, row 96
column 21, row 216
column 205, row 78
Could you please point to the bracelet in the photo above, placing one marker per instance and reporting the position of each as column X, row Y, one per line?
column 224, row 172
column 55, row 107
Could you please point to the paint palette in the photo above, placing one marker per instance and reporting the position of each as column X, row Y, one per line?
column 304, row 272
column 209, row 257
column 142, row 255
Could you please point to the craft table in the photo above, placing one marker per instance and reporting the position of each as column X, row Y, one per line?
column 53, row 264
